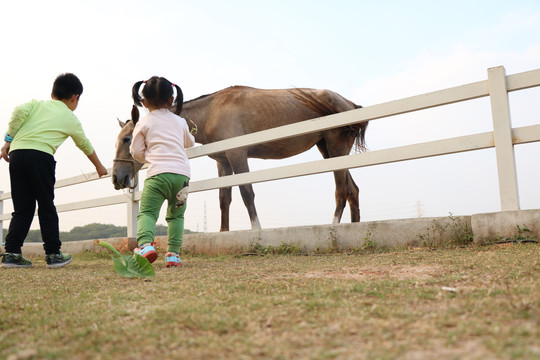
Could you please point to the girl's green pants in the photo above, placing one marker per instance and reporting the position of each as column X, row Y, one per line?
column 156, row 190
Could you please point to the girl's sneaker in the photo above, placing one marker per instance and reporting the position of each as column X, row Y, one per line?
column 147, row 251
column 172, row 259
column 11, row 260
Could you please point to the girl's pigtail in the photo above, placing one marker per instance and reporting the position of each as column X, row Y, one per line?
column 179, row 100
column 135, row 93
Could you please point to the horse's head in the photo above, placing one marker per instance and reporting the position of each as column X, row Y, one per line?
column 125, row 167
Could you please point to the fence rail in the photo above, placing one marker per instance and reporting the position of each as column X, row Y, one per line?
column 502, row 138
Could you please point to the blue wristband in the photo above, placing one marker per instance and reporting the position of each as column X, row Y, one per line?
column 8, row 138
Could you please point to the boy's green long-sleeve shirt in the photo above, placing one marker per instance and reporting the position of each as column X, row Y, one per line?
column 44, row 126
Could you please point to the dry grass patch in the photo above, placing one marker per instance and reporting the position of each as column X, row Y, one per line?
column 401, row 272
column 365, row 306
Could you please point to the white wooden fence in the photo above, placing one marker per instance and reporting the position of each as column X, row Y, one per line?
column 503, row 138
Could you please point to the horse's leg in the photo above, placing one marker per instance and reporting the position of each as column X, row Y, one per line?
column 225, row 195
column 239, row 163
column 353, row 196
column 346, row 191
column 336, row 143
column 340, row 179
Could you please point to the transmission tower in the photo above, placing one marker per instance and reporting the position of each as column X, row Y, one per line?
column 205, row 227
column 420, row 209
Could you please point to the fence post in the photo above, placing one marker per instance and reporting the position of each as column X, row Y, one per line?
column 1, row 220
column 133, row 211
column 504, row 147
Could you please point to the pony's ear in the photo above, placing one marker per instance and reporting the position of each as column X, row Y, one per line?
column 121, row 123
column 135, row 114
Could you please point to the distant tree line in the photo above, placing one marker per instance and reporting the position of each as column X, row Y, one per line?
column 92, row 231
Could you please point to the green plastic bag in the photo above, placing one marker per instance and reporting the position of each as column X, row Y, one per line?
column 131, row 266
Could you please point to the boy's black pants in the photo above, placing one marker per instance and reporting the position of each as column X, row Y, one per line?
column 32, row 176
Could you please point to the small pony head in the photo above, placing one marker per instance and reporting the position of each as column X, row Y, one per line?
column 125, row 167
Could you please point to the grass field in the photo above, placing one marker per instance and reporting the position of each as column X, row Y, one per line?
column 477, row 302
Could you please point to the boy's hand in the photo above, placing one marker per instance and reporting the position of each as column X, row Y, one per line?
column 101, row 170
column 5, row 151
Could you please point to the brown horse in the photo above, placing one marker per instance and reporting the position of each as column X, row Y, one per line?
column 241, row 110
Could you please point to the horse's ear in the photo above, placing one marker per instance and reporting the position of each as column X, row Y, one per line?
column 121, row 123
column 135, row 114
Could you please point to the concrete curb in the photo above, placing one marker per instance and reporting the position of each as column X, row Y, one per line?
column 390, row 233
column 505, row 224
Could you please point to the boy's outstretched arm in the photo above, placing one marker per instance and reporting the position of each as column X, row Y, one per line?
column 100, row 169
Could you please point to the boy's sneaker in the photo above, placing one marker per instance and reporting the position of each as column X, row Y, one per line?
column 147, row 251
column 11, row 260
column 172, row 259
column 55, row 261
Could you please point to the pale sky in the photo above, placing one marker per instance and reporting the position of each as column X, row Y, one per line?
column 368, row 51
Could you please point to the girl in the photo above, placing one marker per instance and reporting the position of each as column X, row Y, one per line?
column 160, row 139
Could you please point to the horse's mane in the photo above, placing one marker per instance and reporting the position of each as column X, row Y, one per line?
column 215, row 92
column 315, row 103
column 198, row 98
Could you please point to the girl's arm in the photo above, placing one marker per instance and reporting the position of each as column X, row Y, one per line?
column 138, row 145
column 189, row 139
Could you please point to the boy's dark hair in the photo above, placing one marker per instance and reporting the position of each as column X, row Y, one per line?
column 66, row 85
column 157, row 92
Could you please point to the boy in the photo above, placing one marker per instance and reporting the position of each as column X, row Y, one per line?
column 35, row 132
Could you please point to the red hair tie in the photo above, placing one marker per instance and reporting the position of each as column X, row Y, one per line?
column 173, row 84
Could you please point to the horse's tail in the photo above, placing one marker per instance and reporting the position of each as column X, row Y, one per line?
column 324, row 107
column 360, row 139
column 358, row 131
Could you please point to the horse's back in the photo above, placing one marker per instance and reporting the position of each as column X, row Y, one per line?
column 240, row 110
column 275, row 107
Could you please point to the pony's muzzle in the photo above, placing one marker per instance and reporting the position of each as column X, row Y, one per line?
column 121, row 182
